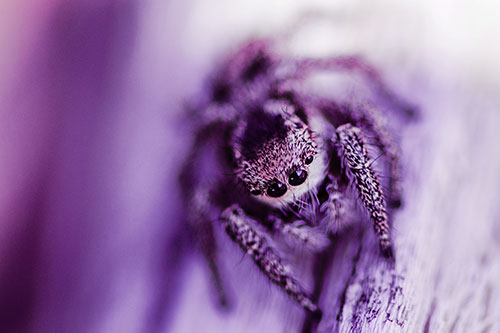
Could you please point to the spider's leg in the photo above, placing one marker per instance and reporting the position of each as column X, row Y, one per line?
column 299, row 233
column 357, row 163
column 374, row 122
column 355, row 63
column 202, row 230
column 198, row 178
column 238, row 226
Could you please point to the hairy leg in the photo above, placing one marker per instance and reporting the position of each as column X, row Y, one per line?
column 352, row 150
column 371, row 119
column 238, row 227
column 202, row 230
column 198, row 177
column 355, row 63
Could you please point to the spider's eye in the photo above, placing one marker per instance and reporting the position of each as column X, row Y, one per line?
column 276, row 189
column 256, row 192
column 309, row 159
column 297, row 177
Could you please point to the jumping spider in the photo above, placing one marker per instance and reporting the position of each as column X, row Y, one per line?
column 270, row 159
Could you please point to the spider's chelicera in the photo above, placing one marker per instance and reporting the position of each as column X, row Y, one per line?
column 268, row 154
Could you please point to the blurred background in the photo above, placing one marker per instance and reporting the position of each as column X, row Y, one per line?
column 92, row 140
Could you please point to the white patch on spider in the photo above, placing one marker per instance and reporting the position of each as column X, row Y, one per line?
column 316, row 174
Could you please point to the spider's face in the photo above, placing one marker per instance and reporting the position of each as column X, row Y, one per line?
column 279, row 157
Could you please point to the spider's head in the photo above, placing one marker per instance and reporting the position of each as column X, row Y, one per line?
column 278, row 155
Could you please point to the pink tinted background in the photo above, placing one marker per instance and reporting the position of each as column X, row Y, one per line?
column 91, row 144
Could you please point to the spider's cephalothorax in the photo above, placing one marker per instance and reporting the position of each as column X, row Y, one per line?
column 265, row 148
column 274, row 152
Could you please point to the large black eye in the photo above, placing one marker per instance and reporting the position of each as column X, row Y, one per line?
column 276, row 189
column 309, row 159
column 297, row 177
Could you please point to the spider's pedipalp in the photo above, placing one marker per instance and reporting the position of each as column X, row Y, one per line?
column 352, row 150
column 333, row 207
column 299, row 233
column 238, row 226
